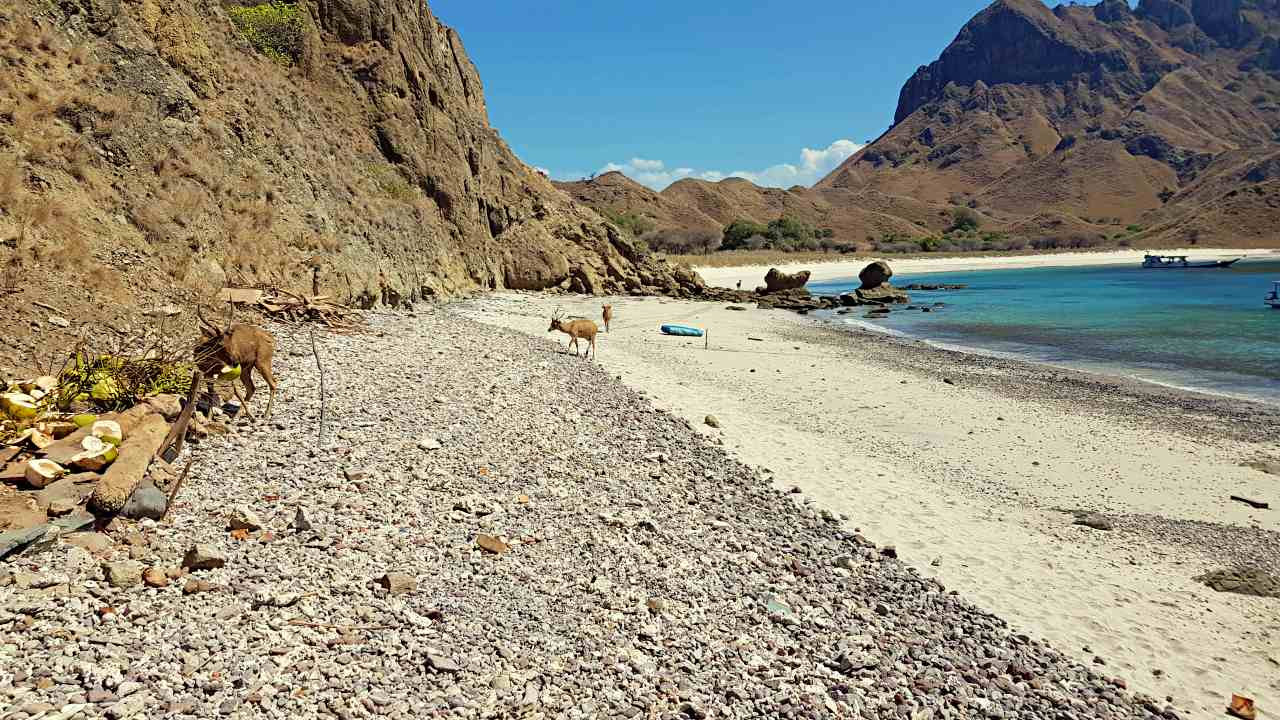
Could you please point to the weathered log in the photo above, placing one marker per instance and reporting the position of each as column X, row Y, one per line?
column 123, row 476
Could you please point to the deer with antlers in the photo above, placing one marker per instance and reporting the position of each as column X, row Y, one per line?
column 576, row 329
column 238, row 345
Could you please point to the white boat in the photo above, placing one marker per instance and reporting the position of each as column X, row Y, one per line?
column 1181, row 262
column 1273, row 298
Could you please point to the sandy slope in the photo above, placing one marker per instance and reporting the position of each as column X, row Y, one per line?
column 753, row 275
column 964, row 479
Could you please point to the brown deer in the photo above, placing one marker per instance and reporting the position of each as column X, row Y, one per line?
column 247, row 346
column 608, row 315
column 576, row 329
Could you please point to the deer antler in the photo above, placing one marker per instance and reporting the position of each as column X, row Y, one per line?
column 205, row 322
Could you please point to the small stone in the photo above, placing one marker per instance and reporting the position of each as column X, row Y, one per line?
column 949, row 381
column 100, row 696
column 442, row 664
column 492, row 544
column 242, row 518
column 889, row 551
column 936, row 562
column 155, row 577
column 194, row 586
column 122, row 573
column 300, row 522
column 93, row 543
column 353, row 475
column 1095, row 521
column 712, row 421
column 204, row 557
column 61, row 322
column 429, row 444
column 398, row 583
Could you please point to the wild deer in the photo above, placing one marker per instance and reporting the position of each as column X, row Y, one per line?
column 240, row 345
column 576, row 329
column 608, row 315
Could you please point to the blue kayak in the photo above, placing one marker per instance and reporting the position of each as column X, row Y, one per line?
column 682, row 330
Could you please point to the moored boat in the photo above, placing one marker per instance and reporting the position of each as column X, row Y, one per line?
column 1181, row 262
column 1273, row 298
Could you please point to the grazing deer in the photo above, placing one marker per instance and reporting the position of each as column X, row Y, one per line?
column 608, row 315
column 576, row 329
column 248, row 347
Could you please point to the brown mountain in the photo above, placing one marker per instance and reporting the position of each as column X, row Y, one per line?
column 1079, row 122
column 155, row 151
column 1164, row 116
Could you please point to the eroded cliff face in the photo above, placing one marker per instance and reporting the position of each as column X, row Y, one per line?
column 173, row 157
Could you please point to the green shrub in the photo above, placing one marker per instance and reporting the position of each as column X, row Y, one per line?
column 633, row 224
column 738, row 232
column 963, row 220
column 1133, row 228
column 274, row 28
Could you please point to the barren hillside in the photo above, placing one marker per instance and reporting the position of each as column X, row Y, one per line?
column 155, row 152
column 1089, row 124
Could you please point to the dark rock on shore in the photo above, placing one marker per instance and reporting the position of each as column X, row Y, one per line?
column 777, row 281
column 1248, row 581
column 930, row 286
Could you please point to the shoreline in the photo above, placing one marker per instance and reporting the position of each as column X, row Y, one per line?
column 1116, row 375
column 752, row 275
column 971, row 479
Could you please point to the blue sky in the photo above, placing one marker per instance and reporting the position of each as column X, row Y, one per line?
column 776, row 91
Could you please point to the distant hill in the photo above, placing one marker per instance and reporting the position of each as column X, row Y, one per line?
column 1156, row 126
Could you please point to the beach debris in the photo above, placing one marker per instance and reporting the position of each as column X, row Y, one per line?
column 712, row 421
column 41, row 472
column 96, row 457
column 756, row 339
column 1255, row 504
column 19, row 406
column 1242, row 707
column 736, row 308
column 291, row 306
column 1255, row 582
column 948, row 381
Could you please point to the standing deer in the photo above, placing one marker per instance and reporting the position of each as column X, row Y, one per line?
column 608, row 315
column 576, row 329
column 240, row 345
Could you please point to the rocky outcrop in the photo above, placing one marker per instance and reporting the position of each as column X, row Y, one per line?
column 777, row 281
column 876, row 288
column 875, row 274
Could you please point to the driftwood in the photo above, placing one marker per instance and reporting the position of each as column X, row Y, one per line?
column 291, row 306
column 173, row 491
column 171, row 447
column 123, row 475
column 320, row 368
column 1256, row 504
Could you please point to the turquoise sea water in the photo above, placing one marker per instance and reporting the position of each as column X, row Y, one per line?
column 1201, row 329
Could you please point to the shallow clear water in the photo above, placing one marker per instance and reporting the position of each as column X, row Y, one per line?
column 1199, row 329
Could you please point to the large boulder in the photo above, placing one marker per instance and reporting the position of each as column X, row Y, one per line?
column 777, row 281
column 875, row 275
column 876, row 289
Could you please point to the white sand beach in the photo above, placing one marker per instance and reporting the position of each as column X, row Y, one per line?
column 970, row 481
column 750, row 275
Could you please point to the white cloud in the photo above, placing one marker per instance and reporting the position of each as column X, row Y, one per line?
column 813, row 165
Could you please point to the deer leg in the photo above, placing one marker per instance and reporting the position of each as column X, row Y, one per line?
column 592, row 350
column 271, row 386
column 246, row 377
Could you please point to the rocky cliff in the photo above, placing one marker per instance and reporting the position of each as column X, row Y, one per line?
column 160, row 150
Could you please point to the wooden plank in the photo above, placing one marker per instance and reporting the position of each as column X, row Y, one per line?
column 240, row 295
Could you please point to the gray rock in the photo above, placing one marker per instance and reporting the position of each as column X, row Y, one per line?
column 204, row 557
column 146, row 502
column 123, row 573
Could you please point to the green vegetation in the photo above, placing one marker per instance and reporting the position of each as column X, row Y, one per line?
column 636, row 225
column 391, row 183
column 274, row 28
column 785, row 233
column 1133, row 228
column 964, row 220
